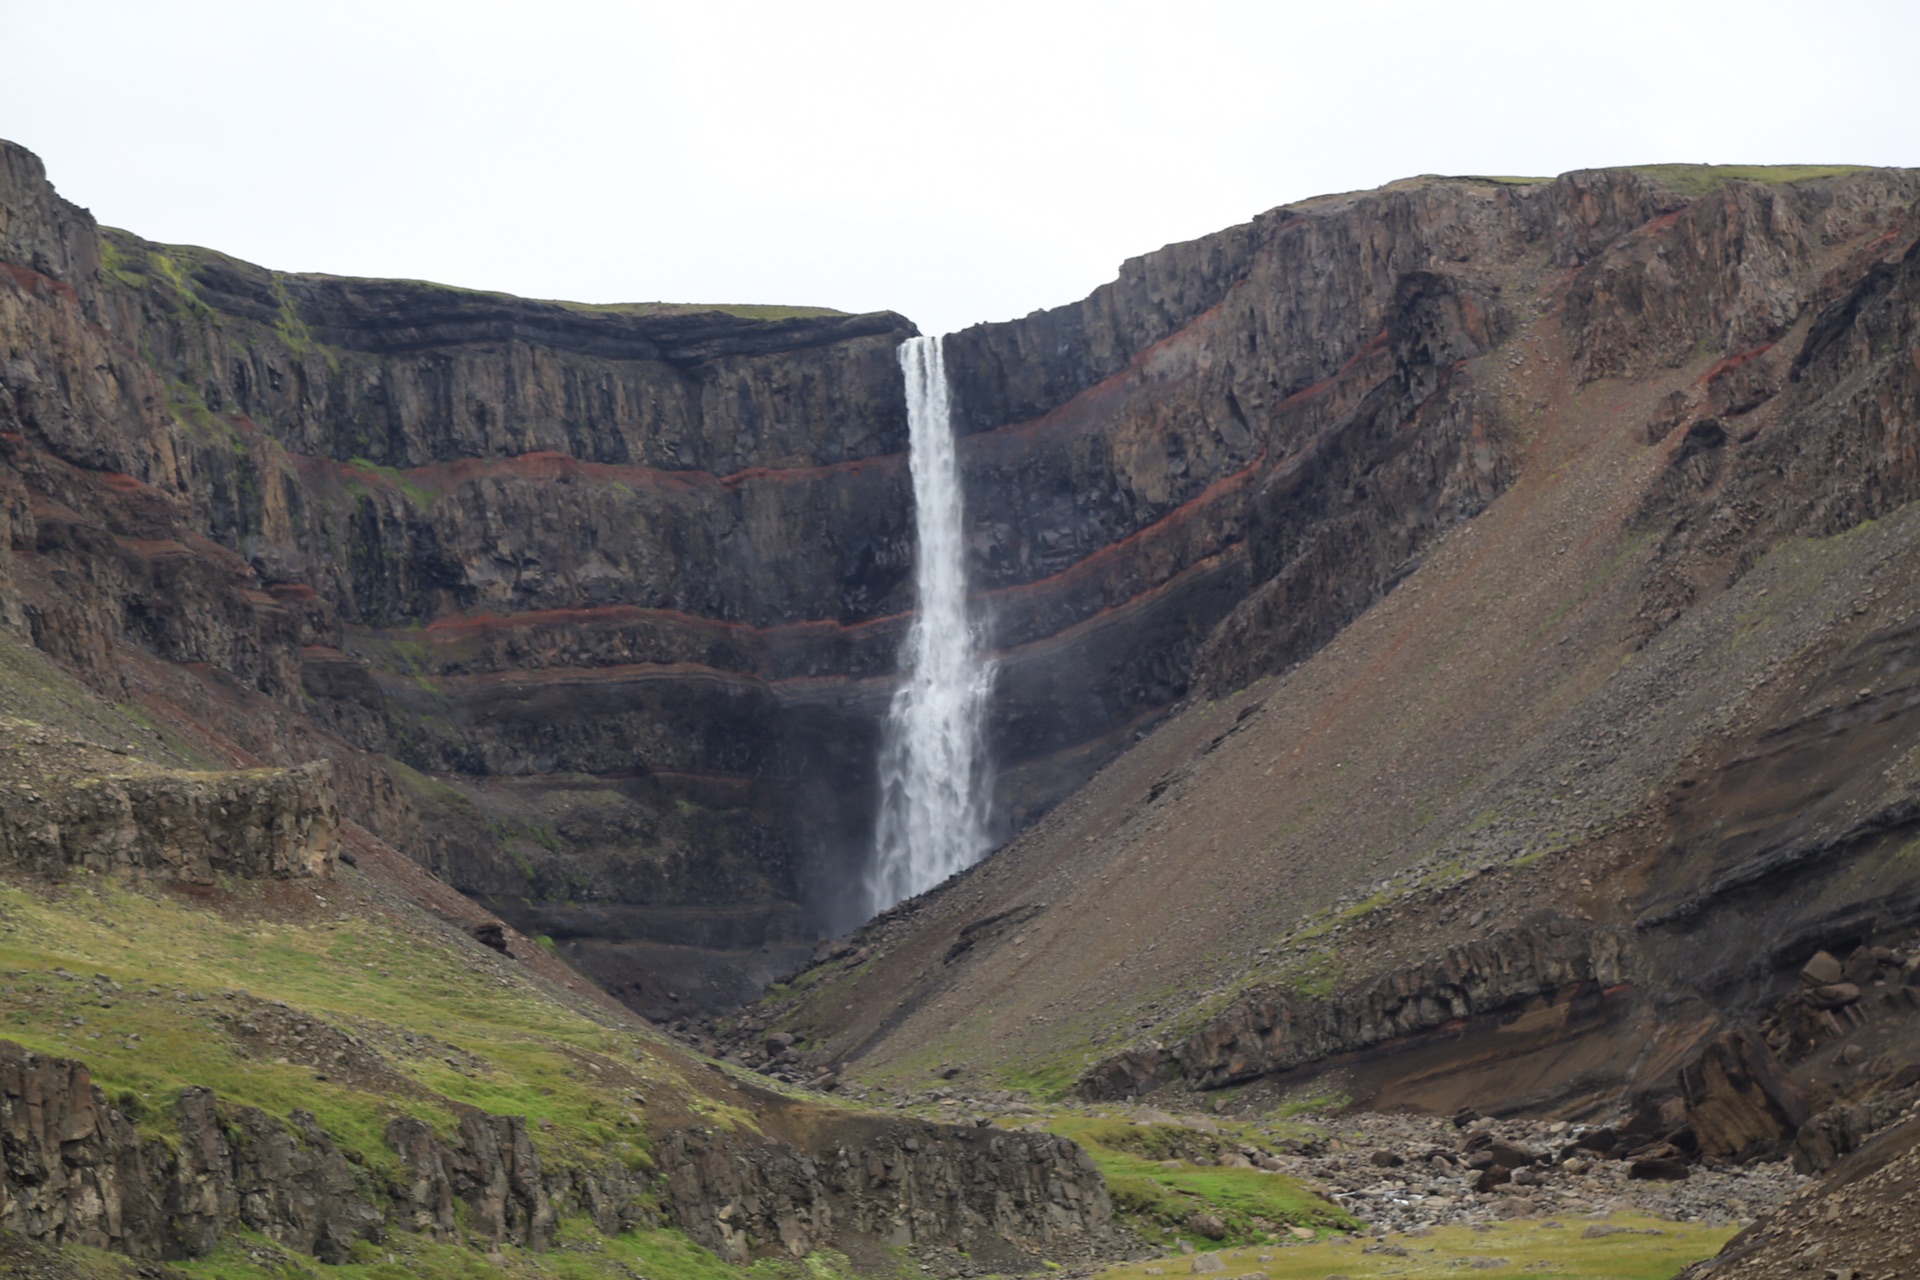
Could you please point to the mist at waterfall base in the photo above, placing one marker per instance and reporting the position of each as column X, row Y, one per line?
column 935, row 778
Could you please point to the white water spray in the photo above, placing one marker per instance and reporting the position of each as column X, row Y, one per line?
column 934, row 778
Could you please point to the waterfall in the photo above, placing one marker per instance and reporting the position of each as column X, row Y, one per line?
column 934, row 775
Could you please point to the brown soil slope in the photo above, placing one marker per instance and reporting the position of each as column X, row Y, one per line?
column 1602, row 772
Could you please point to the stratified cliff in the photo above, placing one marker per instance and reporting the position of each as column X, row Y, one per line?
column 596, row 609
column 625, row 582
column 1610, row 800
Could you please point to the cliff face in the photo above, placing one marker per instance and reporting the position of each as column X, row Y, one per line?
column 596, row 609
column 79, row 1171
column 1611, row 787
column 628, row 578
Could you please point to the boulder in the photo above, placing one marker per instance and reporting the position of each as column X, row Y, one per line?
column 1863, row 966
column 1822, row 970
column 1210, row 1225
column 1835, row 995
column 1741, row 1104
column 1661, row 1163
column 1510, row 1156
column 1491, row 1177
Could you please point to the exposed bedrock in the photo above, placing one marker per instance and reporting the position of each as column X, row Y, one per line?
column 599, row 606
column 999, row 1196
column 174, row 825
column 1660, row 695
column 78, row 1170
column 1749, row 942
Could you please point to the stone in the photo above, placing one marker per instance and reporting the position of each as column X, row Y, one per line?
column 1862, row 966
column 1835, row 995
column 1208, row 1224
column 1741, row 1103
column 1822, row 970
column 1661, row 1164
column 1509, row 1156
column 1205, row 1263
column 490, row 933
column 183, row 826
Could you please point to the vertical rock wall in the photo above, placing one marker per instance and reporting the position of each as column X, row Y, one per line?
column 77, row 1170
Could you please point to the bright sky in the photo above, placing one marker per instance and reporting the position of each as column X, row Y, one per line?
column 955, row 162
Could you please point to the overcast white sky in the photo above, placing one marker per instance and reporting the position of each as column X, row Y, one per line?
column 960, row 162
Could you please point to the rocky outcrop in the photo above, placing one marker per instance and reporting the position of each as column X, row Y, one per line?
column 1271, row 1030
column 493, row 1168
column 1741, row 1103
column 996, row 1195
column 629, row 582
column 188, row 827
column 79, row 1170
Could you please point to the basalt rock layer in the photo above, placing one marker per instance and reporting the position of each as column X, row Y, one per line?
column 79, row 1171
column 595, row 609
column 1565, row 709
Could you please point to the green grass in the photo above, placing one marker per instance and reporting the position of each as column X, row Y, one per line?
column 517, row 1051
column 579, row 1253
column 1649, row 1250
column 1502, row 180
column 417, row 493
column 1311, row 1105
column 1695, row 180
column 1047, row 1081
column 1156, row 1187
column 745, row 310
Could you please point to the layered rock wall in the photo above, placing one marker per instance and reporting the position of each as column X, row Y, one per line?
column 632, row 580
column 596, row 609
column 79, row 1171
column 174, row 825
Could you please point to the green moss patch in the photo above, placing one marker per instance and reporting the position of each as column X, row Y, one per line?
column 578, row 1253
column 1163, row 1195
column 156, row 993
column 1635, row 1249
column 1695, row 180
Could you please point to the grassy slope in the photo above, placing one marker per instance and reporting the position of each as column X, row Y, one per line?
column 1644, row 1250
column 1157, row 1183
column 396, row 1011
column 131, row 259
column 448, row 1021
column 1694, row 180
column 1496, row 707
